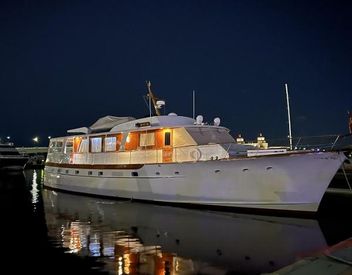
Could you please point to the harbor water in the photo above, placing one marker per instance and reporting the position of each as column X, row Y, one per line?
column 51, row 232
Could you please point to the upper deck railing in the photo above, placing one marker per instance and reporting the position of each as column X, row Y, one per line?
column 316, row 143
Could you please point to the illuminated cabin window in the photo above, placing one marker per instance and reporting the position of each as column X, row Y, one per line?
column 147, row 139
column 84, row 146
column 96, row 144
column 110, row 144
column 167, row 140
column 76, row 143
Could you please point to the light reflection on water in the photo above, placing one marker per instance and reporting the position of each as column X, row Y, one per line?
column 130, row 238
column 142, row 238
column 34, row 190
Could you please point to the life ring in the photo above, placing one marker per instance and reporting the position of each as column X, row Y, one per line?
column 195, row 154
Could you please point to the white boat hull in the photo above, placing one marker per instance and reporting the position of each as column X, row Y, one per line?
column 294, row 182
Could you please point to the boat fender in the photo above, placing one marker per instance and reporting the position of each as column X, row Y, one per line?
column 196, row 154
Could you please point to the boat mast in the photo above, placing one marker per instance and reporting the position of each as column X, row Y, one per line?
column 289, row 117
column 152, row 98
column 194, row 104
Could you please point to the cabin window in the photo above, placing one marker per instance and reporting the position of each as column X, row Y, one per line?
column 208, row 135
column 110, row 144
column 96, row 145
column 167, row 139
column 147, row 139
column 84, row 146
column 80, row 145
column 55, row 146
column 68, row 147
column 76, row 143
column 134, row 174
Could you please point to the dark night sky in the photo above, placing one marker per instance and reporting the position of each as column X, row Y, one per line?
column 64, row 64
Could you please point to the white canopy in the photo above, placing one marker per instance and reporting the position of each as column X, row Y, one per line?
column 102, row 124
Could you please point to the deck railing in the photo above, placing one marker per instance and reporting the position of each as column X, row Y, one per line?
column 205, row 152
column 321, row 142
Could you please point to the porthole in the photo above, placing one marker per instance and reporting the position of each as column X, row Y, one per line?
column 134, row 174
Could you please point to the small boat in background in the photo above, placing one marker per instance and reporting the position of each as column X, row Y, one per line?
column 10, row 158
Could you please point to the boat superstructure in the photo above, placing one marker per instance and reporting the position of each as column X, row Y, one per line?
column 177, row 159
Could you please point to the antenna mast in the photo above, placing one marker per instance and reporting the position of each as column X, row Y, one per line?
column 194, row 104
column 289, row 117
column 153, row 99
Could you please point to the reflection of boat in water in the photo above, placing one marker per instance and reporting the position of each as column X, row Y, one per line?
column 149, row 238
column 177, row 159
column 10, row 158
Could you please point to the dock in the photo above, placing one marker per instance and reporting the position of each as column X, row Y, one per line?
column 37, row 156
column 335, row 260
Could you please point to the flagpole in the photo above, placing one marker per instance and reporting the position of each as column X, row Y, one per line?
column 194, row 104
column 289, row 117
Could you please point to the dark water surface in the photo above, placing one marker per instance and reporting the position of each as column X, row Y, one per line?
column 50, row 232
